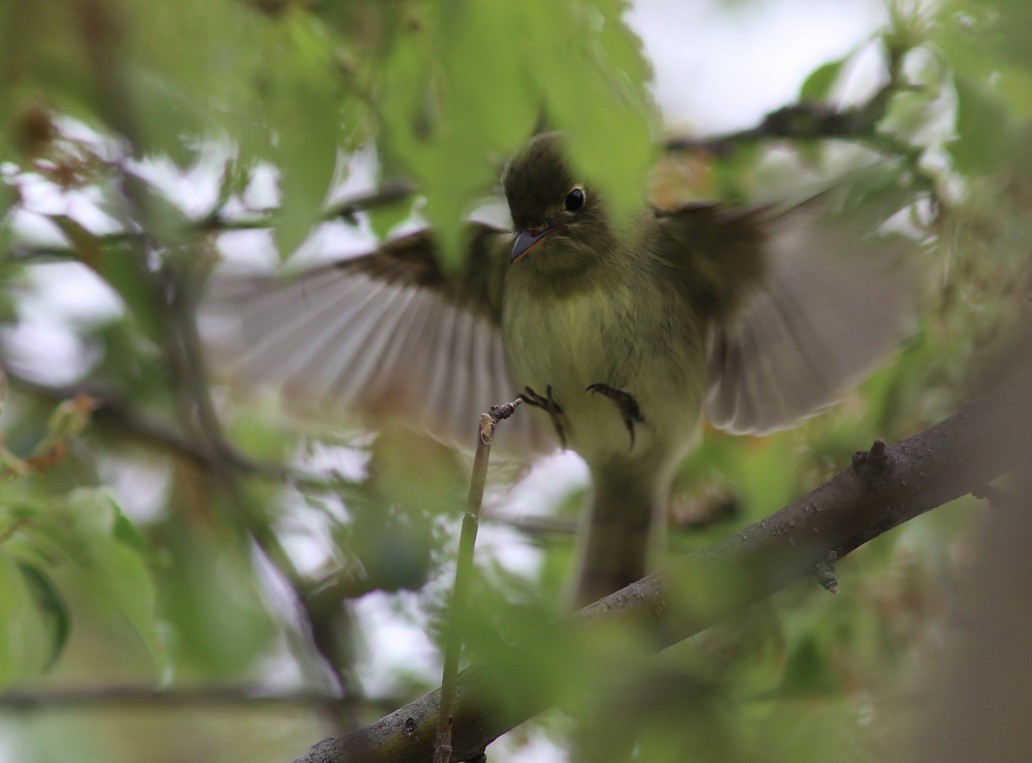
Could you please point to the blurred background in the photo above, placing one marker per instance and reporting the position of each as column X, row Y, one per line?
column 190, row 573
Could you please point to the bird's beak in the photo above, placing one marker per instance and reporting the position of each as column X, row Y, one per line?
column 527, row 240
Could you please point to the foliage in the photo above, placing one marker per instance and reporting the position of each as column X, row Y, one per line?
column 155, row 529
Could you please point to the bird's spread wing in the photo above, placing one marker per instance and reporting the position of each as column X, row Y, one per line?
column 387, row 336
column 805, row 302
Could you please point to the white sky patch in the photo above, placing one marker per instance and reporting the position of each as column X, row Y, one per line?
column 538, row 748
column 719, row 68
column 41, row 197
column 511, row 549
column 44, row 350
column 547, row 483
column 247, row 251
column 140, row 487
column 308, row 548
column 397, row 643
column 196, row 188
column 72, row 293
column 351, row 463
column 55, row 298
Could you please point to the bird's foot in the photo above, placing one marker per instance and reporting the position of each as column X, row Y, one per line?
column 548, row 404
column 625, row 403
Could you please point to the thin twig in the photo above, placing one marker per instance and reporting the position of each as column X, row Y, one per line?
column 346, row 210
column 216, row 222
column 464, row 574
column 803, row 121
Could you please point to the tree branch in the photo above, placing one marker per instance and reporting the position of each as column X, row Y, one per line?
column 800, row 121
column 880, row 491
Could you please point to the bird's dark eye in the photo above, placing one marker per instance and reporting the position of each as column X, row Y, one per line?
column 574, row 200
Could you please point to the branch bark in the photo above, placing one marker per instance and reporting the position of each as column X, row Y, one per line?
column 881, row 490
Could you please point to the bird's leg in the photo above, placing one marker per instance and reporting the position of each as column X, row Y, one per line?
column 626, row 404
column 549, row 406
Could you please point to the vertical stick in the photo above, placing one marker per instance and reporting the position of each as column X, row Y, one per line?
column 464, row 574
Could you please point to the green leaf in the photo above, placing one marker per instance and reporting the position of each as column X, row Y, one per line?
column 52, row 607
column 593, row 74
column 11, row 601
column 465, row 85
column 818, row 85
column 809, row 669
column 302, row 101
column 212, row 601
column 27, row 632
column 985, row 136
column 111, row 566
column 126, row 533
column 987, row 41
column 383, row 218
column 120, row 267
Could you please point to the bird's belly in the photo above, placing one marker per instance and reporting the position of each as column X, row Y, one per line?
column 560, row 347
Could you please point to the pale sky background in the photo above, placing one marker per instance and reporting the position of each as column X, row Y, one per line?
column 715, row 71
column 722, row 64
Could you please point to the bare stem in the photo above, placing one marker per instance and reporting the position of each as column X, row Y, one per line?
column 464, row 574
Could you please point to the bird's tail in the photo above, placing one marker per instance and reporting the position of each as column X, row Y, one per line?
column 622, row 529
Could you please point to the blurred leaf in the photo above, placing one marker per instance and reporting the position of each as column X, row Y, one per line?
column 120, row 267
column 11, row 602
column 594, row 75
column 303, row 97
column 211, row 598
column 818, row 85
column 383, row 217
column 580, row 58
column 111, row 566
column 494, row 625
column 130, row 363
column 52, row 607
column 126, row 533
column 809, row 670
column 42, row 58
column 393, row 547
column 236, row 175
column 30, row 626
column 987, row 42
column 984, row 136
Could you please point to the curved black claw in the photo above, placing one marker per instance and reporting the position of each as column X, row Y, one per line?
column 549, row 406
column 626, row 404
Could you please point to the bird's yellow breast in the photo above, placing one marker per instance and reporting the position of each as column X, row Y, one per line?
column 612, row 329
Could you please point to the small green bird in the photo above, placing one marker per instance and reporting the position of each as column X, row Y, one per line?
column 620, row 337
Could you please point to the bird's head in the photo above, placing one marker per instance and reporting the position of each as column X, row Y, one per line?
column 555, row 215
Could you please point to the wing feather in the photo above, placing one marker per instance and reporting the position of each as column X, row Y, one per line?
column 799, row 305
column 388, row 335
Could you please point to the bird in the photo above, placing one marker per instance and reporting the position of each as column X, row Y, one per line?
column 621, row 337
